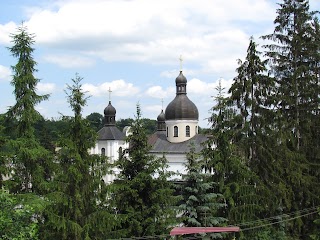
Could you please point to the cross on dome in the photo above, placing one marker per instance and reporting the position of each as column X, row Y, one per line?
column 109, row 94
column 180, row 59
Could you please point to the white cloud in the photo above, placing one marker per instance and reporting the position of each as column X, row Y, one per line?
column 158, row 92
column 150, row 31
column 46, row 87
column 5, row 31
column 118, row 87
column 5, row 73
column 68, row 61
column 199, row 88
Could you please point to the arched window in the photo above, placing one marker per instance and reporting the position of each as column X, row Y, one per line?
column 120, row 152
column 167, row 132
column 187, row 131
column 196, row 129
column 175, row 131
column 103, row 151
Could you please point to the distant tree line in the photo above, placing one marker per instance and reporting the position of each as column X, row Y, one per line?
column 259, row 168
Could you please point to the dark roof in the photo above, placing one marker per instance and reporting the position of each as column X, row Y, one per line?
column 181, row 108
column 110, row 133
column 160, row 144
column 110, row 110
column 161, row 117
column 181, row 79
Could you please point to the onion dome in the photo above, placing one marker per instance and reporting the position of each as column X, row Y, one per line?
column 181, row 107
column 181, row 79
column 109, row 115
column 161, row 121
column 161, row 117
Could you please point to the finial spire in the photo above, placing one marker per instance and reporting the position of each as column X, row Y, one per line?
column 162, row 103
column 109, row 94
column 180, row 59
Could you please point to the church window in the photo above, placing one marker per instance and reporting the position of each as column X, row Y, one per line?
column 103, row 151
column 120, row 152
column 175, row 131
column 196, row 129
column 187, row 131
column 167, row 132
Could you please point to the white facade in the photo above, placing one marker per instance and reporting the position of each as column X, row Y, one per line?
column 181, row 130
column 112, row 150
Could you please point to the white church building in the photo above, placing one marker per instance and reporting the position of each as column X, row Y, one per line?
column 177, row 127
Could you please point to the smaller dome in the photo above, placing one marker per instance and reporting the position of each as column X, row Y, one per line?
column 181, row 79
column 109, row 110
column 161, row 117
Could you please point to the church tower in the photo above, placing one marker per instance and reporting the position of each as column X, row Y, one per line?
column 181, row 114
column 111, row 141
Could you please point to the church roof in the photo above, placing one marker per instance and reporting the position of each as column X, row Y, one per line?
column 161, row 117
column 110, row 133
column 160, row 144
column 110, row 110
column 181, row 107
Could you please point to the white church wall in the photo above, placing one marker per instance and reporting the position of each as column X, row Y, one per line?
column 112, row 152
column 181, row 124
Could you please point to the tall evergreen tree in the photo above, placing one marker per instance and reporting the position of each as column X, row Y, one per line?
column 229, row 165
column 200, row 202
column 293, row 57
column 290, row 57
column 253, row 129
column 142, row 195
column 30, row 160
column 77, row 206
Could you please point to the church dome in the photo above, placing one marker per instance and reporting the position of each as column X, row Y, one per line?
column 181, row 79
column 181, row 108
column 110, row 115
column 161, row 117
column 109, row 110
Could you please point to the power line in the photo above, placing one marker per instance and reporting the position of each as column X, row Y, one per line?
column 285, row 215
column 273, row 223
column 261, row 223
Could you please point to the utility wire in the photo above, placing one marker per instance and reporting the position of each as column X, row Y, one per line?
column 276, row 217
column 301, row 213
column 285, row 220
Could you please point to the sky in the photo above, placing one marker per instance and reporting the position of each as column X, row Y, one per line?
column 132, row 47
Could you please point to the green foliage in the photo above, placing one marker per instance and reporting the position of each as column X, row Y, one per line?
column 149, row 125
column 31, row 162
column 17, row 219
column 228, row 166
column 142, row 196
column 24, row 83
column 96, row 121
column 200, row 202
column 316, row 234
column 293, row 55
column 77, row 206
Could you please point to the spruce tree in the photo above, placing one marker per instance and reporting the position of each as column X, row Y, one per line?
column 143, row 196
column 200, row 202
column 293, row 57
column 77, row 206
column 228, row 164
column 30, row 161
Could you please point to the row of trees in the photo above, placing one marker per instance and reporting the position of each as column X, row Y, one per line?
column 270, row 122
column 259, row 168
